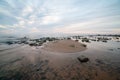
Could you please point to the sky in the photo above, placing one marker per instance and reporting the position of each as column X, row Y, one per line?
column 55, row 17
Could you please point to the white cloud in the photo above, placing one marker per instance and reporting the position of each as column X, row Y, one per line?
column 1, row 26
column 8, row 31
column 33, row 17
column 27, row 10
column 61, row 17
column 31, row 22
column 50, row 19
column 6, row 26
column 34, row 30
column 21, row 22
column 91, row 26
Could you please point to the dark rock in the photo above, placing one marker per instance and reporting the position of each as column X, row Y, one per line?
column 85, row 40
column 83, row 59
column 104, row 41
column 32, row 44
column 76, row 40
column 118, row 48
column 9, row 42
column 68, row 38
column 84, row 45
column 93, row 40
column 37, row 69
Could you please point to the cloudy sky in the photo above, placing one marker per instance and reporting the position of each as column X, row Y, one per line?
column 33, row 17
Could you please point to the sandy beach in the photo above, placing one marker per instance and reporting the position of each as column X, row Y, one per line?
column 65, row 46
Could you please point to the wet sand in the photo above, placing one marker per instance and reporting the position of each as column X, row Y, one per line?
column 33, row 63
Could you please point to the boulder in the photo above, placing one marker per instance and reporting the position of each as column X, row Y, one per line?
column 83, row 59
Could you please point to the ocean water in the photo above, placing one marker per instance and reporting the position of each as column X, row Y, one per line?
column 4, row 43
column 109, row 52
column 6, row 39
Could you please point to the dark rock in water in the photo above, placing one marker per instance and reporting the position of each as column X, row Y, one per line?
column 83, row 59
column 9, row 42
column 68, row 38
column 92, row 39
column 85, row 40
column 33, row 44
column 104, row 41
column 118, row 48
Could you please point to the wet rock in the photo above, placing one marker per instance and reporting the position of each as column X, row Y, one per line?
column 37, row 69
column 32, row 44
column 84, row 45
column 85, row 40
column 104, row 41
column 83, row 59
column 35, row 44
column 68, row 38
column 92, row 39
column 76, row 40
column 118, row 48
column 9, row 42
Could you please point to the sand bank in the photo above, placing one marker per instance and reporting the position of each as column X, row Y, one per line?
column 66, row 46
